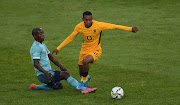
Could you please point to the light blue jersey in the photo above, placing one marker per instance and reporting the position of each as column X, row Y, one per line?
column 40, row 51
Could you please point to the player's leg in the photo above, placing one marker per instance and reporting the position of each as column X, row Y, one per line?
column 84, row 65
column 39, row 87
column 55, row 84
column 73, row 82
column 87, row 59
column 63, row 75
column 42, row 78
column 60, row 86
column 84, row 69
column 69, row 79
column 80, row 69
column 81, row 72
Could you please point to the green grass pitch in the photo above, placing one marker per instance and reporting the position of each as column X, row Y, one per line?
column 146, row 64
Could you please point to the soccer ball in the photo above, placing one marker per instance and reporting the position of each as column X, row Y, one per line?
column 117, row 92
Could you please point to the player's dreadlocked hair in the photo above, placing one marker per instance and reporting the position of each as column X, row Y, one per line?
column 87, row 13
column 36, row 31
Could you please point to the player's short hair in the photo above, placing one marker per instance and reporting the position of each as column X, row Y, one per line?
column 87, row 13
column 36, row 31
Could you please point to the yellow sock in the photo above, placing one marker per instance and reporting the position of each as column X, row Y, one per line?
column 84, row 79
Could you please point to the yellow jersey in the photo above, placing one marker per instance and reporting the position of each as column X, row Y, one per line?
column 91, row 35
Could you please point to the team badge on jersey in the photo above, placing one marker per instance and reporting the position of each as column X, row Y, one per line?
column 96, row 54
column 89, row 38
column 94, row 31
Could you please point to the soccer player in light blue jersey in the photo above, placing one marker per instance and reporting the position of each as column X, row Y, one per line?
column 40, row 56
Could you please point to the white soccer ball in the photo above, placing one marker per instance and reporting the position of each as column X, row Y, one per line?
column 117, row 92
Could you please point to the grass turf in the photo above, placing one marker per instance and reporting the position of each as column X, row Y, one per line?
column 146, row 65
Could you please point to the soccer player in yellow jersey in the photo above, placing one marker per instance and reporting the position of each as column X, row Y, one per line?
column 91, row 47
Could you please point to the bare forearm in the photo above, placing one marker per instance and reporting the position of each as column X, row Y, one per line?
column 55, row 61
column 39, row 68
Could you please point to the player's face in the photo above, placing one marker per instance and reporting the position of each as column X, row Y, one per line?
column 40, row 36
column 87, row 20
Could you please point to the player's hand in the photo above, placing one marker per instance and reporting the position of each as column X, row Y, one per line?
column 64, row 69
column 55, row 50
column 49, row 77
column 134, row 29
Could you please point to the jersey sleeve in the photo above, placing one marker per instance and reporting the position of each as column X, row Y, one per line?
column 107, row 26
column 69, row 39
column 35, row 53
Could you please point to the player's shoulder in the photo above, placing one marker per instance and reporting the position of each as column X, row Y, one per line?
column 35, row 46
column 94, row 21
column 97, row 23
column 80, row 24
column 43, row 44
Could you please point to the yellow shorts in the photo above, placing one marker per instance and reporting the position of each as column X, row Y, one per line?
column 95, row 53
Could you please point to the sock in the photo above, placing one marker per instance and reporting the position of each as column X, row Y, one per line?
column 84, row 79
column 43, row 87
column 73, row 82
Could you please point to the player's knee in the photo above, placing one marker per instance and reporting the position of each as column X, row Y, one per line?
column 85, row 62
column 60, row 87
column 88, row 59
column 64, row 75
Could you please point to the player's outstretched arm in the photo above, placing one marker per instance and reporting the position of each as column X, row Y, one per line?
column 68, row 40
column 110, row 26
column 134, row 29
column 56, row 62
